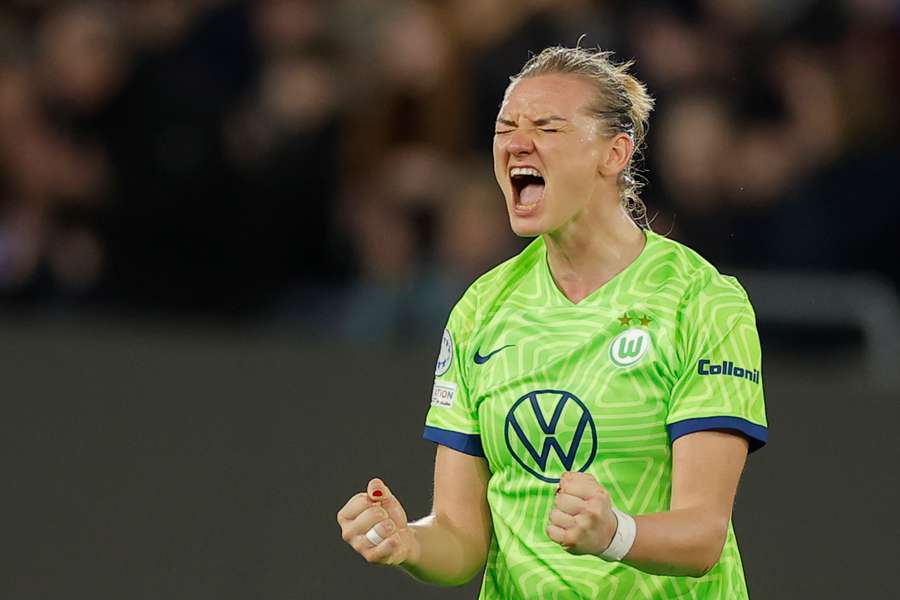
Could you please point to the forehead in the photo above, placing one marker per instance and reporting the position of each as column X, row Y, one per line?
column 564, row 95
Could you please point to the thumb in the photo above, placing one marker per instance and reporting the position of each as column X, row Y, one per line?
column 379, row 492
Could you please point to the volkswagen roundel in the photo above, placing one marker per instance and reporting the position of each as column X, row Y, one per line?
column 547, row 448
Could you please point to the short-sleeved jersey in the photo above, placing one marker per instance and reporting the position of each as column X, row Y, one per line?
column 538, row 386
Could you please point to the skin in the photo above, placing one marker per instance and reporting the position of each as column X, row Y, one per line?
column 543, row 123
column 589, row 240
column 449, row 546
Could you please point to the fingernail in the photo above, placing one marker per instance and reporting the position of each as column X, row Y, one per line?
column 378, row 493
column 389, row 526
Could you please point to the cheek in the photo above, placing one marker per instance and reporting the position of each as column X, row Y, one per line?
column 499, row 165
column 573, row 183
column 498, row 152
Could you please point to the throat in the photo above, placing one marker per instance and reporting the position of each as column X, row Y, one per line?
column 579, row 274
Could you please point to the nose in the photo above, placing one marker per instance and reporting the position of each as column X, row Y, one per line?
column 520, row 143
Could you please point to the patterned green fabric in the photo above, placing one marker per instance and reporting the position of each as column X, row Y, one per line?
column 539, row 385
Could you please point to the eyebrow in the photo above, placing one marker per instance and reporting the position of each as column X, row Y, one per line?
column 538, row 122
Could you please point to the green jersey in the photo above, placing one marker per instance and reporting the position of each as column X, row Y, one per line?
column 538, row 386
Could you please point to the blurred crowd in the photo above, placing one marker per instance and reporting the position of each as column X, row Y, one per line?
column 330, row 161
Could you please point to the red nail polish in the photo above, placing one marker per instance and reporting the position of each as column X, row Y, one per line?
column 377, row 493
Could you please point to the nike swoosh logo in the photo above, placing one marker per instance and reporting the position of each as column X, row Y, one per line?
column 480, row 360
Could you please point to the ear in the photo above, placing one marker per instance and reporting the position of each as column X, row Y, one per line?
column 618, row 153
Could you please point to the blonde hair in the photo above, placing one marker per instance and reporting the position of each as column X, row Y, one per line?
column 621, row 103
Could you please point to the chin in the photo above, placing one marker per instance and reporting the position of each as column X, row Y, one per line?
column 527, row 227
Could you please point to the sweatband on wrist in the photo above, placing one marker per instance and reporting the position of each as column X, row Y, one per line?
column 622, row 539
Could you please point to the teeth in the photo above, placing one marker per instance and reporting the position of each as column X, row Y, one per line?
column 517, row 171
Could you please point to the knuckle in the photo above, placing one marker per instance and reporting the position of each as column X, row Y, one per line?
column 370, row 554
column 345, row 535
column 378, row 555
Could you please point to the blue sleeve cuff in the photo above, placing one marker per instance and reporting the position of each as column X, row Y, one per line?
column 757, row 435
column 467, row 443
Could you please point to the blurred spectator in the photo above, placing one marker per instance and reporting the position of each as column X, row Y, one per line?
column 426, row 226
column 330, row 160
column 57, row 170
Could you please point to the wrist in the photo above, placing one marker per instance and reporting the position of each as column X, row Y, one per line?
column 623, row 537
column 414, row 549
column 611, row 529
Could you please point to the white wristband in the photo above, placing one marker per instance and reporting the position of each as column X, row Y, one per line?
column 622, row 539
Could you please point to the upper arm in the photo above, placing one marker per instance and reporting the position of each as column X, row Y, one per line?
column 460, row 493
column 718, row 382
column 461, row 472
column 706, row 469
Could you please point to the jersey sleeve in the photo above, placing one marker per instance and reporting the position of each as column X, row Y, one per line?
column 452, row 419
column 720, row 383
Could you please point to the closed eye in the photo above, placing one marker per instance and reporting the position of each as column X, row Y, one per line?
column 501, row 132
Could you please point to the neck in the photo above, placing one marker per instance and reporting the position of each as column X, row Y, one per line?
column 591, row 249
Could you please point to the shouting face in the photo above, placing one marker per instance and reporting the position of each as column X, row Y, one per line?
column 549, row 153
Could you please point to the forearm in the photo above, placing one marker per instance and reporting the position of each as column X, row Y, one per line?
column 444, row 554
column 682, row 542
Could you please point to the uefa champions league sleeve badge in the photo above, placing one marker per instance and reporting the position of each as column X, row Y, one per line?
column 445, row 358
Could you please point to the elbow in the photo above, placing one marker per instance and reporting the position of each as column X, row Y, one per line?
column 710, row 553
column 461, row 579
column 464, row 576
column 701, row 568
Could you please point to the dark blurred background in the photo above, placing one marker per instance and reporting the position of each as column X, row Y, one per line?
column 231, row 231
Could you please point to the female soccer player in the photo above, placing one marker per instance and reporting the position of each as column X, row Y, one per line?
column 595, row 396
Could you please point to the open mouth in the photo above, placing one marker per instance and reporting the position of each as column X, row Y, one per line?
column 528, row 188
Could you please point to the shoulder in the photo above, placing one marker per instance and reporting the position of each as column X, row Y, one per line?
column 510, row 271
column 708, row 303
column 694, row 278
column 490, row 290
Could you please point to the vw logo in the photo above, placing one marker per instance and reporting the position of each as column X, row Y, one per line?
column 569, row 434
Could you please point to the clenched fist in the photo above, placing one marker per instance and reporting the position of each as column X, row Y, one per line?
column 374, row 524
column 582, row 520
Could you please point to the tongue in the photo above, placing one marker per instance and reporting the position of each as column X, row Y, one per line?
column 531, row 194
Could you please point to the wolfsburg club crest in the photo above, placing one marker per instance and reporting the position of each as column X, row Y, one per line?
column 629, row 347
